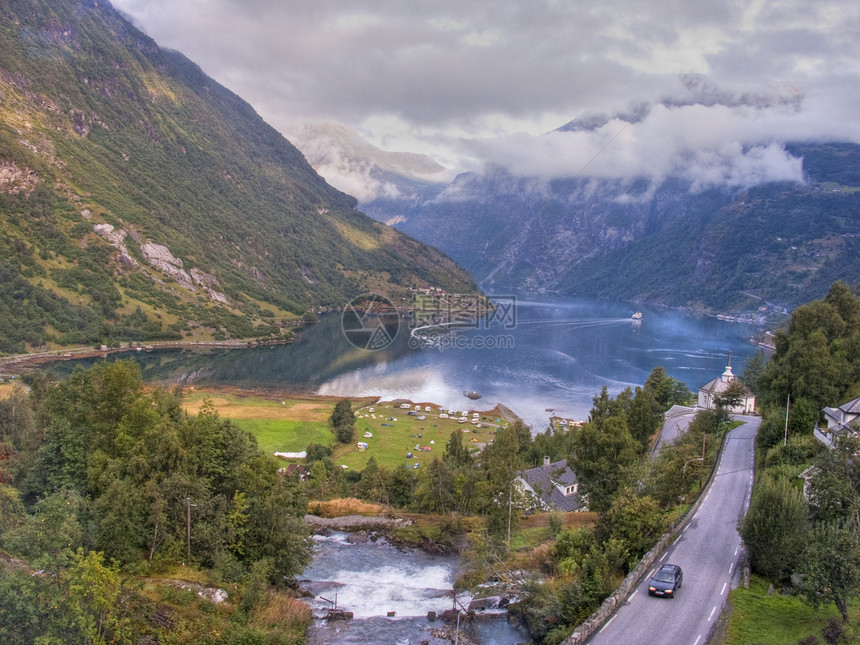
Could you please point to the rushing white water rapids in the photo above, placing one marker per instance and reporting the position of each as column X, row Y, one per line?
column 374, row 578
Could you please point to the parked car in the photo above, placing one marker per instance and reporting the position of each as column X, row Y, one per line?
column 666, row 581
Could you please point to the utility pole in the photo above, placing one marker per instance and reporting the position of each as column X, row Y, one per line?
column 188, row 529
column 188, row 506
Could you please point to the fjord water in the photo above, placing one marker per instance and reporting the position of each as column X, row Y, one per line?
column 553, row 353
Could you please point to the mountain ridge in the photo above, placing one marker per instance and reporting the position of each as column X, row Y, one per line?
column 722, row 248
column 146, row 201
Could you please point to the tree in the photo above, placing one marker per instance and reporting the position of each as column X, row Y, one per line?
column 636, row 521
column 343, row 421
column 319, row 479
column 831, row 562
column 834, row 487
column 456, row 454
column 434, row 493
column 601, row 458
column 818, row 356
column 644, row 417
column 666, row 390
column 753, row 370
column 342, row 414
column 95, row 604
column 774, row 528
column 501, row 461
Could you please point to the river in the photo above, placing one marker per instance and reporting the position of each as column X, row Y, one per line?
column 372, row 579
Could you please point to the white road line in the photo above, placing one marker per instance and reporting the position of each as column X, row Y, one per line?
column 677, row 539
column 608, row 623
column 630, row 597
column 731, row 568
column 725, row 584
column 698, row 638
column 712, row 613
column 651, row 575
column 664, row 556
column 737, row 548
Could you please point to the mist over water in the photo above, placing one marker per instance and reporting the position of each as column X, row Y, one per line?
column 562, row 351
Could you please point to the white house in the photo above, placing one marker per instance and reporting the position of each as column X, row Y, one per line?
column 712, row 389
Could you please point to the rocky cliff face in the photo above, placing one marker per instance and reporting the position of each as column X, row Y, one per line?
column 725, row 249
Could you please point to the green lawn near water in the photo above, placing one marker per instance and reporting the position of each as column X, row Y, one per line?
column 279, row 435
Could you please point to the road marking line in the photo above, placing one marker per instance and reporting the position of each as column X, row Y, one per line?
column 725, row 584
column 607, row 623
column 731, row 568
column 697, row 640
column 736, row 549
column 630, row 597
column 651, row 575
column 678, row 539
column 712, row 613
column 664, row 556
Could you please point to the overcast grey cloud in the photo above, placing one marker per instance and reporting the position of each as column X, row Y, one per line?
column 471, row 82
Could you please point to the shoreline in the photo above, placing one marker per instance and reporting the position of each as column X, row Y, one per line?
column 13, row 365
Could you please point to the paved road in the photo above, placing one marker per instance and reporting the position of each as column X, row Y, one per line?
column 708, row 550
column 672, row 429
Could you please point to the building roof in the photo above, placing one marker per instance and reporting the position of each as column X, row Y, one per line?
column 721, row 384
column 852, row 407
column 545, row 481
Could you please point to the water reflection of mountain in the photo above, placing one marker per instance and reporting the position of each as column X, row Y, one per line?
column 320, row 353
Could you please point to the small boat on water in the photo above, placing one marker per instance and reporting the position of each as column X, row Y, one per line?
column 637, row 316
column 471, row 395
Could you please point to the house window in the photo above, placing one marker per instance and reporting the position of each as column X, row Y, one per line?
column 571, row 490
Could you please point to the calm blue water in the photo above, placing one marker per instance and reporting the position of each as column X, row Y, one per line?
column 553, row 354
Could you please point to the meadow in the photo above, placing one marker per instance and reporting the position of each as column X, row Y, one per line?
column 290, row 424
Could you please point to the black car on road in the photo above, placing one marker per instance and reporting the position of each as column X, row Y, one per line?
column 666, row 581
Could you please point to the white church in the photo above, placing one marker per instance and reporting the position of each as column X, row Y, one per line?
column 712, row 389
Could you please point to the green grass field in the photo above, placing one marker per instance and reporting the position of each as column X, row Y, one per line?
column 758, row 618
column 278, row 435
column 291, row 424
column 391, row 440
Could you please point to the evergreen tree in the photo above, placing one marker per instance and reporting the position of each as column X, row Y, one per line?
column 774, row 528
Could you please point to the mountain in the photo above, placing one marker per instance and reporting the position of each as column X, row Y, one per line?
column 775, row 244
column 382, row 181
column 140, row 199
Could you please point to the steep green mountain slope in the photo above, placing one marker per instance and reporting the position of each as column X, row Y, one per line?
column 139, row 199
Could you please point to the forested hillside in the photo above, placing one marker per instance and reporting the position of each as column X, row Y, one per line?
column 801, row 530
column 98, row 475
column 140, row 199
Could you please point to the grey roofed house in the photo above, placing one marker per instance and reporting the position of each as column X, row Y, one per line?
column 554, row 485
column 840, row 421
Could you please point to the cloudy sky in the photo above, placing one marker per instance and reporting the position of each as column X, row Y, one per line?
column 716, row 85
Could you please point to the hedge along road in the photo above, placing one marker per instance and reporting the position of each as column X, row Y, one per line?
column 708, row 550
